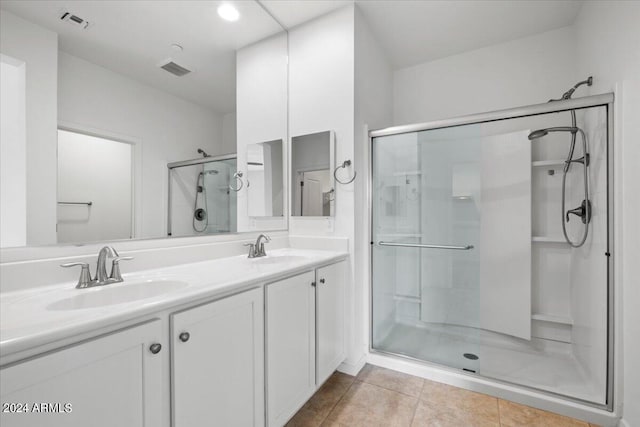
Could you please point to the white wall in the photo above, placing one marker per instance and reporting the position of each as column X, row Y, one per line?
column 261, row 90
column 526, row 71
column 608, row 41
column 373, row 110
column 321, row 98
column 13, row 166
column 38, row 49
column 108, row 187
column 229, row 134
column 162, row 127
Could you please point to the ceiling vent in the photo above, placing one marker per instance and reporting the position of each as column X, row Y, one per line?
column 74, row 20
column 174, row 68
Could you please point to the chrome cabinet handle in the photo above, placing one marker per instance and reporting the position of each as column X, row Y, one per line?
column 321, row 280
column 184, row 336
column 313, row 284
column 155, row 348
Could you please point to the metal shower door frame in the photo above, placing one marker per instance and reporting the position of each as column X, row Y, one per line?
column 604, row 100
column 183, row 163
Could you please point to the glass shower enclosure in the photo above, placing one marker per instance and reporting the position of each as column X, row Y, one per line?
column 202, row 196
column 470, row 267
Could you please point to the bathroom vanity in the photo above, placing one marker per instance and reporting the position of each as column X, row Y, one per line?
column 236, row 340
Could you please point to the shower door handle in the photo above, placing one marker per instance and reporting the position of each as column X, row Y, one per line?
column 419, row 245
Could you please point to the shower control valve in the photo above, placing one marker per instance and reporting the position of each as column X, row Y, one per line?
column 583, row 211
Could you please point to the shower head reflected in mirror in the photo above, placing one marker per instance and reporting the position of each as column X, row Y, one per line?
column 204, row 153
column 543, row 132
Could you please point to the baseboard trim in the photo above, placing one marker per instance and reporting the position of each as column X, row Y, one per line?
column 351, row 368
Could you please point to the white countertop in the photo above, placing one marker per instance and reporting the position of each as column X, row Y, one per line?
column 39, row 316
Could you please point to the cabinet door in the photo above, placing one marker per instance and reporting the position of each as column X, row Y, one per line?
column 218, row 363
column 330, row 319
column 110, row 381
column 290, row 346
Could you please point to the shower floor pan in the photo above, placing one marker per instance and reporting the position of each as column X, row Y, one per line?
column 539, row 364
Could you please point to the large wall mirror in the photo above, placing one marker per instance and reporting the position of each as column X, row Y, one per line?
column 128, row 120
column 265, row 179
column 312, row 181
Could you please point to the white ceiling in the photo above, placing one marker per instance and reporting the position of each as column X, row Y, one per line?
column 416, row 31
column 295, row 12
column 133, row 37
column 412, row 32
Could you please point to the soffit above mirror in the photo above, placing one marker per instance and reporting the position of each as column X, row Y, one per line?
column 133, row 38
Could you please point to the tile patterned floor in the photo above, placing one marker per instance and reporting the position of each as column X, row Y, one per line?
column 381, row 397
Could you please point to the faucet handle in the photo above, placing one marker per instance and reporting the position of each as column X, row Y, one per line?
column 115, row 267
column 85, row 274
column 252, row 249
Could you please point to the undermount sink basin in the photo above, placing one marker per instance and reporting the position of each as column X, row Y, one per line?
column 278, row 259
column 117, row 294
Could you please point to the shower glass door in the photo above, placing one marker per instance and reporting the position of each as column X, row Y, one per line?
column 470, row 268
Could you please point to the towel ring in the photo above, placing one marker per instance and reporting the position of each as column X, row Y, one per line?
column 344, row 165
column 238, row 177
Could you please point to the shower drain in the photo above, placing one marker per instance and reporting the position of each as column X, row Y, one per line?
column 470, row 356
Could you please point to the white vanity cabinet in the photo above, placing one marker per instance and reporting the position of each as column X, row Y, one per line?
column 218, row 363
column 114, row 380
column 330, row 321
column 305, row 337
column 290, row 345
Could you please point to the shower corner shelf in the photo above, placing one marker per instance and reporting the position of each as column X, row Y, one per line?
column 547, row 239
column 542, row 163
column 552, row 318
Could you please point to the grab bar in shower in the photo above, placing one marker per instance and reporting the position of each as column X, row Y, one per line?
column 417, row 245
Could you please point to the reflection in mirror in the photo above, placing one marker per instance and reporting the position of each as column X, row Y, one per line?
column 153, row 81
column 94, row 203
column 203, row 196
column 265, row 181
column 312, row 181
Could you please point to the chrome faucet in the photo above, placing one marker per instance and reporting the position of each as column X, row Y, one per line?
column 101, row 279
column 256, row 249
column 101, row 268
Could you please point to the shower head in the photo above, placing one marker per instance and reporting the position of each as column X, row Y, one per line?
column 204, row 154
column 543, row 132
column 568, row 94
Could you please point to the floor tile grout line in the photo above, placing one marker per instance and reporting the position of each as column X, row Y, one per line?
column 415, row 410
column 396, row 391
column 338, row 401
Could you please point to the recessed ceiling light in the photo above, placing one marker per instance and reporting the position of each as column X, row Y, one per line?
column 228, row 12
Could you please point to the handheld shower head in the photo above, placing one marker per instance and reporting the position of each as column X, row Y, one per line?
column 538, row 134
column 543, row 132
column 568, row 94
